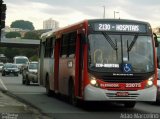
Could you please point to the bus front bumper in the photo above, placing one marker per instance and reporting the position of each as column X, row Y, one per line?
column 97, row 94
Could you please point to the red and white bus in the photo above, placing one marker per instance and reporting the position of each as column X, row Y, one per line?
column 100, row 60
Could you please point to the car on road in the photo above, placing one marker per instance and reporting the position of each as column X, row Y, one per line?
column 29, row 73
column 10, row 68
column 21, row 61
column 1, row 65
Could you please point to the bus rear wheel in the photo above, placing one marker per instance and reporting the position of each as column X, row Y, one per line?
column 129, row 104
column 48, row 91
column 27, row 81
column 23, row 81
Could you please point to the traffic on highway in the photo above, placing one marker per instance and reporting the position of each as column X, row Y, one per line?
column 57, row 107
column 79, row 60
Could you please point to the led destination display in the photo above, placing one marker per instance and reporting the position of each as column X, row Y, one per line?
column 120, row 27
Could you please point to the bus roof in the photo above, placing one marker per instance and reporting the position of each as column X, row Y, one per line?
column 20, row 57
column 119, row 20
column 83, row 24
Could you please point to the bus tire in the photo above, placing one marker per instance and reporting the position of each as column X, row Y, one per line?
column 130, row 104
column 23, row 81
column 48, row 91
column 3, row 74
column 72, row 98
column 27, row 82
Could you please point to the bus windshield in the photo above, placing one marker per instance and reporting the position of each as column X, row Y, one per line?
column 21, row 61
column 107, row 52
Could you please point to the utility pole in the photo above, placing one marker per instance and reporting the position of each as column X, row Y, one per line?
column 115, row 14
column 2, row 15
column 104, row 12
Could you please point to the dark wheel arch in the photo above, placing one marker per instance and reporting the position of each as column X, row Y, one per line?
column 47, row 86
column 27, row 81
column 71, row 92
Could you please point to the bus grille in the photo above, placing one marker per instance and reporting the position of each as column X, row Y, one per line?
column 129, row 96
column 123, row 79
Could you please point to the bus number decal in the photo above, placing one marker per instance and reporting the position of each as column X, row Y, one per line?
column 133, row 85
column 104, row 27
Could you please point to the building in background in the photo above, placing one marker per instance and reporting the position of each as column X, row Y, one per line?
column 50, row 24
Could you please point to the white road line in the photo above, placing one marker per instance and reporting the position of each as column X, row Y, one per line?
column 3, row 84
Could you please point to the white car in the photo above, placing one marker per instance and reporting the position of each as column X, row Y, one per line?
column 29, row 73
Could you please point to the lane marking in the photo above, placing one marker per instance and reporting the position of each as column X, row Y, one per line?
column 3, row 84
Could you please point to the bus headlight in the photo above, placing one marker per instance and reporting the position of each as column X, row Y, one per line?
column 150, row 82
column 93, row 80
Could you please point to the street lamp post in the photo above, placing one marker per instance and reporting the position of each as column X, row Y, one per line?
column 115, row 12
column 104, row 12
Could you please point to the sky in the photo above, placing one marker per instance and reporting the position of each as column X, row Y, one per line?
column 67, row 12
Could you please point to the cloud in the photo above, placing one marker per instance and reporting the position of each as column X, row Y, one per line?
column 73, row 10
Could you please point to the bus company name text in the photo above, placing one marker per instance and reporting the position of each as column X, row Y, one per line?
column 116, row 85
column 107, row 65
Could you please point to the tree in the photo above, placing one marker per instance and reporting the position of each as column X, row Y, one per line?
column 31, row 35
column 13, row 35
column 22, row 24
column 34, row 58
column 11, row 52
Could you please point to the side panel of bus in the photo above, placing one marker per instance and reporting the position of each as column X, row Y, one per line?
column 56, row 64
column 41, row 63
column 46, row 66
column 71, row 66
column 67, row 62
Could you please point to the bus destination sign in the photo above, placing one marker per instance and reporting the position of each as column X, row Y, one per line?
column 120, row 27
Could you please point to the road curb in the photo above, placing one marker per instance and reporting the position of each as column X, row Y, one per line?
column 32, row 107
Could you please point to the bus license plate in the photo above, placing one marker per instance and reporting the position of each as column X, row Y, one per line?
column 122, row 94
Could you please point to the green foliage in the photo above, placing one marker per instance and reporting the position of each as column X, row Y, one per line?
column 34, row 58
column 22, row 24
column 13, row 35
column 11, row 52
column 31, row 35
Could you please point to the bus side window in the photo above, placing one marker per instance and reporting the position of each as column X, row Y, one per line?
column 47, row 43
column 72, row 44
column 158, row 64
column 64, row 46
column 68, row 45
column 51, row 47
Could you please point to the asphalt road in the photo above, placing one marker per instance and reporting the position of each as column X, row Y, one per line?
column 60, row 109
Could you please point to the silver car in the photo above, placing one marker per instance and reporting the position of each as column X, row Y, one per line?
column 1, row 65
column 29, row 73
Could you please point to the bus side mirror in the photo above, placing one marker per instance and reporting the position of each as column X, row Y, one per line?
column 155, row 40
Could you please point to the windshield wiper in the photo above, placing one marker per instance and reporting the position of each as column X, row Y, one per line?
column 132, row 43
column 114, row 46
column 129, row 48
